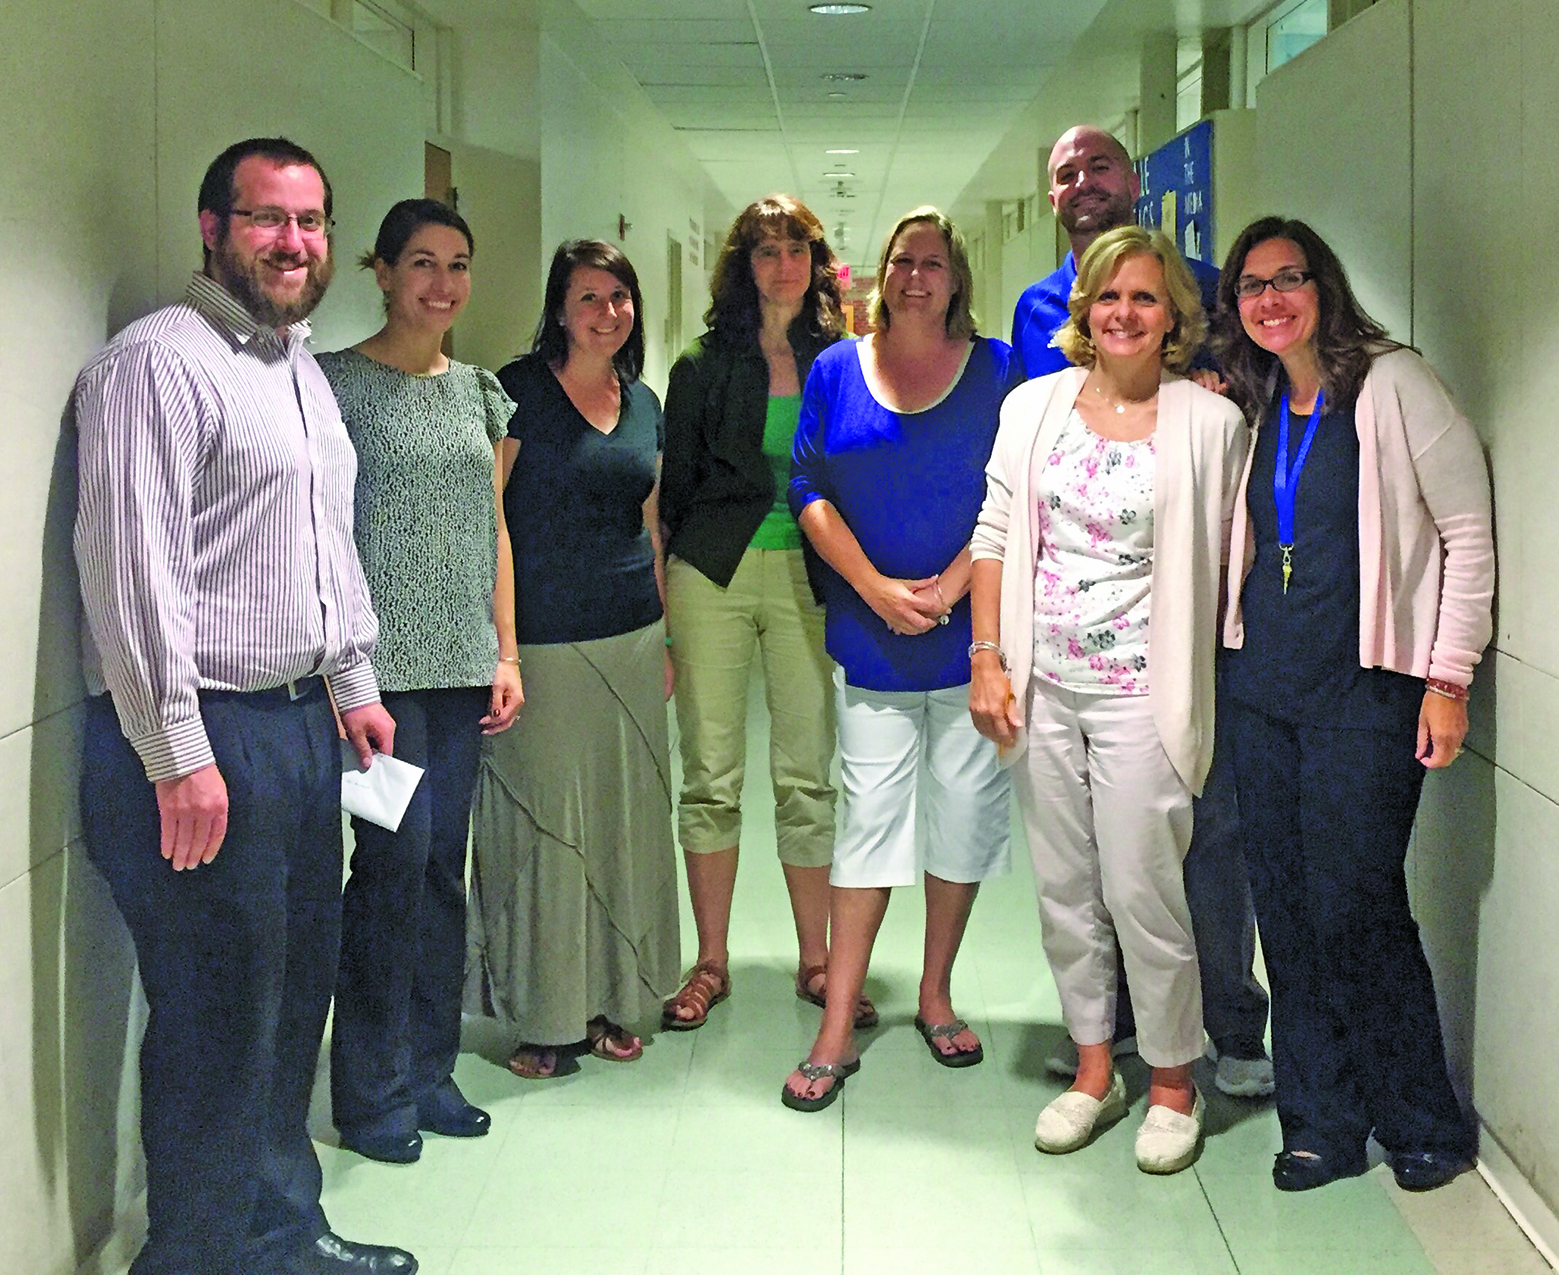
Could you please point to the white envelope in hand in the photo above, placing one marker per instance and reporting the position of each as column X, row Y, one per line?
column 381, row 793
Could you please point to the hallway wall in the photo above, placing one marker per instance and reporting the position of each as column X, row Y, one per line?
column 111, row 111
column 607, row 152
column 113, row 108
column 1435, row 209
column 1418, row 139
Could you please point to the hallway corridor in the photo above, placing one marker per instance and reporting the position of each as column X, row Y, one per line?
column 685, row 1163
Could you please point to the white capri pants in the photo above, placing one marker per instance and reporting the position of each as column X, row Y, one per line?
column 922, row 790
column 1109, row 823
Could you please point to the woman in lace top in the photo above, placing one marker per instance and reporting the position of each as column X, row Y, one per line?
column 431, row 533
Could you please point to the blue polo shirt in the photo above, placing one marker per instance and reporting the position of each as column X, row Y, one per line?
column 1041, row 311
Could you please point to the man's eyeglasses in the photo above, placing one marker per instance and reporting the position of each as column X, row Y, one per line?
column 273, row 219
column 1249, row 286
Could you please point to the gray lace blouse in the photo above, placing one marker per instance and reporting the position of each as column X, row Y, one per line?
column 423, row 515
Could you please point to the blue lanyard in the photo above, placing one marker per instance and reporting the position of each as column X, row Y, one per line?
column 1286, row 484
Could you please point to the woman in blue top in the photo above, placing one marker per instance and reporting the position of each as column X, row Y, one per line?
column 888, row 476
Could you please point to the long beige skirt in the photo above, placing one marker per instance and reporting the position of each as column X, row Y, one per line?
column 574, row 879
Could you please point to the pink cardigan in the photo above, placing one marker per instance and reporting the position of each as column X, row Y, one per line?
column 1426, row 540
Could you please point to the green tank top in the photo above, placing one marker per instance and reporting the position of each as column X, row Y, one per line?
column 778, row 530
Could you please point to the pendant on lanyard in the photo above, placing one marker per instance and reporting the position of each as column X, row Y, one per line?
column 1286, row 483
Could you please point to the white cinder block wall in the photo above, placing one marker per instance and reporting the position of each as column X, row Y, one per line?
column 1441, row 208
column 1418, row 137
column 111, row 111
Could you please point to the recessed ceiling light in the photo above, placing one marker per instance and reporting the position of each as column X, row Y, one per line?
column 841, row 151
column 839, row 10
column 843, row 77
column 836, row 96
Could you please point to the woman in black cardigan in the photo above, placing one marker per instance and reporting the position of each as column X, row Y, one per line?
column 737, row 589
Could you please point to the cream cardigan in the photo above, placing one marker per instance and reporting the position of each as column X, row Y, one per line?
column 1426, row 539
column 1199, row 446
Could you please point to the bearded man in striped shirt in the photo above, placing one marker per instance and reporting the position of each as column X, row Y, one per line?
column 221, row 586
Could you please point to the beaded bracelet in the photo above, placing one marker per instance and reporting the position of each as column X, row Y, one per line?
column 1447, row 690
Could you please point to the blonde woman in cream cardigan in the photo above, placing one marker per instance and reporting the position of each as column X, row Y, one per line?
column 1108, row 500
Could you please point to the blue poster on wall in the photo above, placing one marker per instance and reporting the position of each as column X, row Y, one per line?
column 1177, row 190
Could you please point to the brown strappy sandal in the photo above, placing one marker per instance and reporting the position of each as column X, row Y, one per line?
column 708, row 983
column 865, row 1011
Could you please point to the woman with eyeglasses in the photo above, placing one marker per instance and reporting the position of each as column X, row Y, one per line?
column 575, row 929
column 1359, row 606
column 430, row 531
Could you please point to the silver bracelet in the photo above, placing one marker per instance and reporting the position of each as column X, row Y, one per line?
column 990, row 646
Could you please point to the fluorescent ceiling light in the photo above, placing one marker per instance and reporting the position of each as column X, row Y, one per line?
column 841, row 151
column 839, row 174
column 839, row 10
column 843, row 77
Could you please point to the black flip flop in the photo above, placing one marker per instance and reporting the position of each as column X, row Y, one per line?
column 932, row 1032
column 838, row 1072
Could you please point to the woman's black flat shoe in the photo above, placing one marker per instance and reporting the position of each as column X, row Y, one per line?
column 1294, row 1172
column 1425, row 1170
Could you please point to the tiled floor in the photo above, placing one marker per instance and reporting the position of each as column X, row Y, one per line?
column 684, row 1163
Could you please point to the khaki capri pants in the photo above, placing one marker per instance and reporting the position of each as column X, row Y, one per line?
column 767, row 612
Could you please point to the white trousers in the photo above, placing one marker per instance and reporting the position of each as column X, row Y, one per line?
column 1109, row 823
column 922, row 790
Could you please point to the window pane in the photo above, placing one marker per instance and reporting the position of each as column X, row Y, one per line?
column 391, row 38
column 1295, row 31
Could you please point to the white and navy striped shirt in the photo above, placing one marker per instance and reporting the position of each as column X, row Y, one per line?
column 214, row 523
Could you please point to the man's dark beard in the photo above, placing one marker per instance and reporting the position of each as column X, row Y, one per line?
column 1117, row 210
column 243, row 283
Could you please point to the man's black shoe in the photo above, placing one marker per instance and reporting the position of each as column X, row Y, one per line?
column 332, row 1255
column 464, row 1122
column 1294, row 1172
column 389, row 1148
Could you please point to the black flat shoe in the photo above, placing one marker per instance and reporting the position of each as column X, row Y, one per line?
column 332, row 1255
column 465, row 1122
column 1294, row 1172
column 387, row 1148
column 1425, row 1170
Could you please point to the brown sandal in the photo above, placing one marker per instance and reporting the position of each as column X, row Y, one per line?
column 708, row 983
column 865, row 1011
column 534, row 1062
column 608, row 1041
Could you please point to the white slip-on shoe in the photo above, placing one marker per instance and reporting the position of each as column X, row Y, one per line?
column 1070, row 1120
column 1167, row 1141
column 1063, row 1058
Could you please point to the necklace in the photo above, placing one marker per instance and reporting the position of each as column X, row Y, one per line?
column 1120, row 408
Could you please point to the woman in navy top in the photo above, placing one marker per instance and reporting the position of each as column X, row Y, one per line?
column 576, row 930
column 887, row 482
column 1360, row 599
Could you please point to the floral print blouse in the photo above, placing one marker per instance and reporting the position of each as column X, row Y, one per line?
column 1094, row 573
